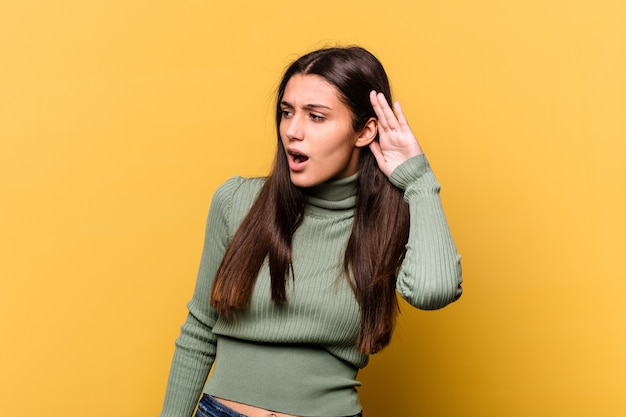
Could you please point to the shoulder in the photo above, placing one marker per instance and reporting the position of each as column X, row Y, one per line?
column 235, row 196
column 239, row 188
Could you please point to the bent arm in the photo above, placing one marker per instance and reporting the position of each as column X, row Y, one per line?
column 195, row 347
column 430, row 275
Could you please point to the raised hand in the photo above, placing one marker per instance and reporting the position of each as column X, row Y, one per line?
column 396, row 143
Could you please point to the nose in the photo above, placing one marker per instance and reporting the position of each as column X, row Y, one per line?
column 294, row 129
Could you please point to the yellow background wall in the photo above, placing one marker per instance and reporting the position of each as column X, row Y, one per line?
column 118, row 119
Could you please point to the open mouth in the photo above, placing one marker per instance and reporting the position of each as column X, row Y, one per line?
column 298, row 157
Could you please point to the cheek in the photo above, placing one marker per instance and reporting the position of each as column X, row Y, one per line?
column 342, row 146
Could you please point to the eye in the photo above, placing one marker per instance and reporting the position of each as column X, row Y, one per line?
column 285, row 113
column 316, row 117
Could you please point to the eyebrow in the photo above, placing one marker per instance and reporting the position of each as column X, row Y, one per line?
column 312, row 106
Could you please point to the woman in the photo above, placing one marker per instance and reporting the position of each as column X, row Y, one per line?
column 299, row 272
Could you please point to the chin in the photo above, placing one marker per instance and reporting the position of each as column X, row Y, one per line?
column 303, row 182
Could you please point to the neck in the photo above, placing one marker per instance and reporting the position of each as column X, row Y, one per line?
column 334, row 195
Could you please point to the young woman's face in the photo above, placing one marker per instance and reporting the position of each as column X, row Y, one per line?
column 316, row 132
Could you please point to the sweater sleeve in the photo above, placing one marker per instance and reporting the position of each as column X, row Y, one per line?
column 195, row 347
column 430, row 275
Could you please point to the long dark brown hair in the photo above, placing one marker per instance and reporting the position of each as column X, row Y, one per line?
column 376, row 246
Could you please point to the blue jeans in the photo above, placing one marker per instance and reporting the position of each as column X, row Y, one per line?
column 210, row 407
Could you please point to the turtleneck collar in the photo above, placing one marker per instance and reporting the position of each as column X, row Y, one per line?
column 336, row 195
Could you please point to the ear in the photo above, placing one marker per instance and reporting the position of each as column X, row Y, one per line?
column 368, row 133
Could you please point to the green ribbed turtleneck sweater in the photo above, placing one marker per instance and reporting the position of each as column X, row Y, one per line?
column 300, row 358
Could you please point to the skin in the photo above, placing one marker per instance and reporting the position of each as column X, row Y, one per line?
column 397, row 143
column 251, row 411
column 317, row 124
column 316, row 132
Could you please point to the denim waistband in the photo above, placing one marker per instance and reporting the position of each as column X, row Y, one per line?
column 210, row 407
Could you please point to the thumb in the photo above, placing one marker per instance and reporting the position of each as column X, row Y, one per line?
column 378, row 154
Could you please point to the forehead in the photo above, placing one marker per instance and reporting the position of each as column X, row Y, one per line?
column 310, row 89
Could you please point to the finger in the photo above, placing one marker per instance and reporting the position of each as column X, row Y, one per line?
column 390, row 118
column 377, row 108
column 402, row 121
column 377, row 152
column 380, row 159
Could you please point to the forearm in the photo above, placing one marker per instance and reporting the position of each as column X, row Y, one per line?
column 196, row 345
column 193, row 358
column 430, row 275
